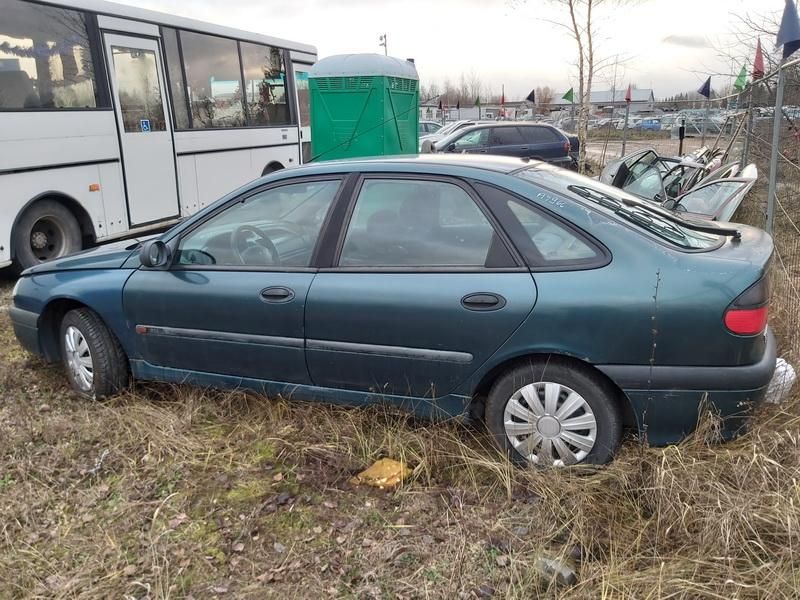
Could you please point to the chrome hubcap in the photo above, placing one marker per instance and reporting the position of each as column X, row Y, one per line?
column 550, row 424
column 79, row 359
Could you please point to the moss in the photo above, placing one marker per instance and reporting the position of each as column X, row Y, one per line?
column 248, row 491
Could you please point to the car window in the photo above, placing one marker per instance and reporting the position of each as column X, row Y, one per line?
column 708, row 199
column 277, row 227
column 540, row 135
column 505, row 136
column 399, row 223
column 552, row 241
column 472, row 139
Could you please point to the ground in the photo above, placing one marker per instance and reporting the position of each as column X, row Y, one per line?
column 178, row 492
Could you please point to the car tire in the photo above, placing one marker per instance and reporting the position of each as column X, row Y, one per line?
column 96, row 364
column 568, row 415
column 46, row 230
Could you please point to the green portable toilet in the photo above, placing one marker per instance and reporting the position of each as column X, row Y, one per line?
column 363, row 105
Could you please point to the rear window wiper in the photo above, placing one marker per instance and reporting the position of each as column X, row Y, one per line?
column 616, row 204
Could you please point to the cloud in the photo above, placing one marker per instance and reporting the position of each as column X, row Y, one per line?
column 687, row 41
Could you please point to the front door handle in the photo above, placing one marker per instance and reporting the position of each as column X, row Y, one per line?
column 277, row 294
column 483, row 301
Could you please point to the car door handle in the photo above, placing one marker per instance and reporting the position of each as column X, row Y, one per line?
column 483, row 301
column 277, row 294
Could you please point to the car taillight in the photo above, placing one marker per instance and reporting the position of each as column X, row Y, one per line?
column 748, row 314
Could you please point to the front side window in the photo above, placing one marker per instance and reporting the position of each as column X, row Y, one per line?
column 472, row 139
column 407, row 223
column 277, row 228
column 265, row 84
column 214, row 80
column 45, row 60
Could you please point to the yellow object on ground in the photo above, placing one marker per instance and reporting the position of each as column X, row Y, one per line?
column 384, row 473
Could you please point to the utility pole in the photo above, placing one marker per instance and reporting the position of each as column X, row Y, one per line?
column 383, row 42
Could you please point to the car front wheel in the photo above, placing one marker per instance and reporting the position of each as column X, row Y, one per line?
column 95, row 363
column 554, row 414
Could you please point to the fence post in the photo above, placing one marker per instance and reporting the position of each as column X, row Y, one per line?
column 705, row 121
column 625, row 127
column 749, row 127
column 773, row 161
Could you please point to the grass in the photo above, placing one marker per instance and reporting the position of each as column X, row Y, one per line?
column 172, row 492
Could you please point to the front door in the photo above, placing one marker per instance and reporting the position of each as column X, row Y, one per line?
column 148, row 155
column 304, row 121
column 233, row 301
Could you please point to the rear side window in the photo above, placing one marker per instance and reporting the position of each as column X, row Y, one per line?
column 541, row 135
column 45, row 59
column 505, row 136
column 543, row 240
column 417, row 224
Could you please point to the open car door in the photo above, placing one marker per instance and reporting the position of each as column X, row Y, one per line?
column 716, row 199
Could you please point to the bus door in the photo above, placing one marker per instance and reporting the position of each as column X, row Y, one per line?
column 140, row 104
column 301, row 87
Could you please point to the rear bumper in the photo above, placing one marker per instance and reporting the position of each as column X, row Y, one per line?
column 667, row 401
column 26, row 328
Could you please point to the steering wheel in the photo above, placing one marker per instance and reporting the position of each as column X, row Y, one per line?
column 264, row 251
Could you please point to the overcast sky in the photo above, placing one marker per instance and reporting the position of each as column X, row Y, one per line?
column 669, row 45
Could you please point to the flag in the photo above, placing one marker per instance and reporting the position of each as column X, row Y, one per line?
column 458, row 104
column 440, row 104
column 705, row 89
column 477, row 102
column 628, row 94
column 758, row 62
column 569, row 96
column 741, row 80
column 532, row 97
column 789, row 31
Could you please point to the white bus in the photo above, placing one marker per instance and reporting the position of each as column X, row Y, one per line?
column 116, row 120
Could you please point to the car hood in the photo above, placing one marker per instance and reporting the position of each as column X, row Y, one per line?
column 107, row 256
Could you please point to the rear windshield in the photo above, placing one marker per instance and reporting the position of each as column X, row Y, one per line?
column 643, row 215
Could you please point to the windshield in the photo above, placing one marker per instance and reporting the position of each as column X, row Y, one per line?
column 644, row 215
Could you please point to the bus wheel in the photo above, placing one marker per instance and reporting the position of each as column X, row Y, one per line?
column 46, row 230
column 271, row 168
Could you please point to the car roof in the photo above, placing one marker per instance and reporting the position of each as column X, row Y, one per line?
column 409, row 162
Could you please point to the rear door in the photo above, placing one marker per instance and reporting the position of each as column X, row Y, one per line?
column 507, row 141
column 717, row 200
column 544, row 142
column 422, row 291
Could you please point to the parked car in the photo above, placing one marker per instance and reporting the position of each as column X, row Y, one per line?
column 452, row 286
column 649, row 124
column 524, row 140
column 428, row 127
column 426, row 142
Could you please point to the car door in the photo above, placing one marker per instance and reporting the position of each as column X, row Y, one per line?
column 233, row 300
column 507, row 141
column 716, row 200
column 473, row 141
column 544, row 142
column 423, row 289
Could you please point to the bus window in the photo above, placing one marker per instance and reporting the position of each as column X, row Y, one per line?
column 139, row 89
column 214, row 80
column 174, row 78
column 45, row 60
column 265, row 84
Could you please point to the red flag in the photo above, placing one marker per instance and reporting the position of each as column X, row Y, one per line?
column 628, row 94
column 758, row 62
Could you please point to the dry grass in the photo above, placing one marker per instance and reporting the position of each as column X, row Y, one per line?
column 176, row 492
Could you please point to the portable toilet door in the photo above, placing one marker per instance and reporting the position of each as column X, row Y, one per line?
column 363, row 105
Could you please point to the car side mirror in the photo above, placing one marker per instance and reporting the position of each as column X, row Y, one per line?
column 451, row 148
column 155, row 254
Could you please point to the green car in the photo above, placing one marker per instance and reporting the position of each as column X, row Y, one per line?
column 559, row 310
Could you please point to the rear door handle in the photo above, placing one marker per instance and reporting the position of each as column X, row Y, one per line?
column 483, row 301
column 277, row 294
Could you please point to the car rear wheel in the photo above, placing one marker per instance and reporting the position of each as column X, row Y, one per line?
column 95, row 363
column 554, row 414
